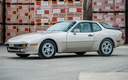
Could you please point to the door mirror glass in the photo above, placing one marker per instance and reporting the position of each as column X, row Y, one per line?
column 76, row 31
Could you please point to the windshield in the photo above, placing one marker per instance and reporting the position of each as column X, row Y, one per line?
column 107, row 26
column 62, row 26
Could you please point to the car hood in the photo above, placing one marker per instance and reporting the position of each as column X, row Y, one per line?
column 31, row 36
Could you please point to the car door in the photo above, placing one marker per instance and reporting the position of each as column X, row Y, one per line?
column 81, row 41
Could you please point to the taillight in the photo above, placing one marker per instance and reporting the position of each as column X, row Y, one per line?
column 122, row 36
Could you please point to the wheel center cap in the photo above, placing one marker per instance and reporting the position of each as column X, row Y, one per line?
column 48, row 49
column 106, row 47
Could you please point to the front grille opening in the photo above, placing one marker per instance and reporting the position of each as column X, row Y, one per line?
column 13, row 48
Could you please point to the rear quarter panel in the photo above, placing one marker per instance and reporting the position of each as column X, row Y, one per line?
column 115, row 35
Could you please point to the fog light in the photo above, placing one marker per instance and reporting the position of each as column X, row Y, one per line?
column 33, row 44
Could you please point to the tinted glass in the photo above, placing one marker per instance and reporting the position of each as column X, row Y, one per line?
column 84, row 27
column 96, row 27
column 107, row 26
column 62, row 26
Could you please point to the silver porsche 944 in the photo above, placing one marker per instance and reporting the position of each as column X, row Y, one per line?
column 76, row 37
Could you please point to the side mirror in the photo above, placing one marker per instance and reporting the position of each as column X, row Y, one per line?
column 76, row 31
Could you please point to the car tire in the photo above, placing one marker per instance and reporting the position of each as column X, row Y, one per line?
column 47, row 49
column 106, row 48
column 23, row 55
column 80, row 53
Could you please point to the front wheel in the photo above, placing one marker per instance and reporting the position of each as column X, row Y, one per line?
column 47, row 49
column 106, row 48
column 23, row 55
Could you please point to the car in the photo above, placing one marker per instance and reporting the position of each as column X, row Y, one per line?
column 76, row 37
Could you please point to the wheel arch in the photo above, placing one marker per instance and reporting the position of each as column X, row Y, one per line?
column 111, row 40
column 52, row 41
column 100, row 51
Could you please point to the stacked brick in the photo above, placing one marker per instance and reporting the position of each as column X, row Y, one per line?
column 1, row 21
column 58, row 11
column 50, row 12
column 111, row 12
column 11, row 18
column 74, row 10
column 19, row 17
column 25, row 16
column 126, row 29
column 42, row 15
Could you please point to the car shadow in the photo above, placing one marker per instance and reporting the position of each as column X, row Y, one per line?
column 55, row 57
column 65, row 56
column 73, row 56
column 27, row 58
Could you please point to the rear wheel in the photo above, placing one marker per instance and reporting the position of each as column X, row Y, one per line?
column 47, row 49
column 80, row 53
column 23, row 55
column 106, row 48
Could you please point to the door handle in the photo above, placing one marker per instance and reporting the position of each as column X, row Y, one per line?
column 90, row 35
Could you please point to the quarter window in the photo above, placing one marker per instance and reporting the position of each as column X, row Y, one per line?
column 96, row 27
column 84, row 27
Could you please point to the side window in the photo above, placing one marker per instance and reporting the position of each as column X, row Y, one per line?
column 84, row 27
column 96, row 27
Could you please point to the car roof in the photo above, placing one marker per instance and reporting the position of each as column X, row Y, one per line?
column 85, row 21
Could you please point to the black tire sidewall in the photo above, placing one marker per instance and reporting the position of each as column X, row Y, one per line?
column 101, row 53
column 41, row 55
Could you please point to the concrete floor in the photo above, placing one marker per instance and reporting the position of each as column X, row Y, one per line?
column 67, row 66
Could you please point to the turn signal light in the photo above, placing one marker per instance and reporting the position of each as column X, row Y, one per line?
column 33, row 44
column 24, row 45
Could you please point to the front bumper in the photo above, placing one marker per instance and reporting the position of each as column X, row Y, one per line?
column 19, row 49
column 15, row 50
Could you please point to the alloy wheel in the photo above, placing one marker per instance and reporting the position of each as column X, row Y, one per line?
column 48, row 49
column 106, row 47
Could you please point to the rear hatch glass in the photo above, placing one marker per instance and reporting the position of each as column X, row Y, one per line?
column 109, row 27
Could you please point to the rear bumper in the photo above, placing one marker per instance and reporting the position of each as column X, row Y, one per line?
column 121, row 42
